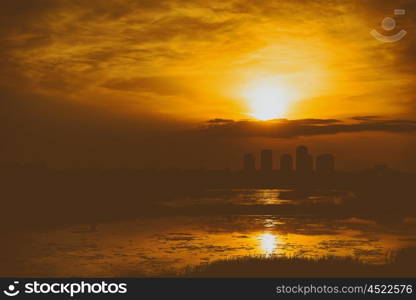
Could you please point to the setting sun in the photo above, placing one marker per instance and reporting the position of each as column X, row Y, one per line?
column 267, row 100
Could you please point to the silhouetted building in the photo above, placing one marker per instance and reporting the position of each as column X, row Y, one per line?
column 325, row 164
column 304, row 161
column 286, row 163
column 266, row 160
column 249, row 162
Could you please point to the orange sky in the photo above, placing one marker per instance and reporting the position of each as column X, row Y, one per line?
column 130, row 66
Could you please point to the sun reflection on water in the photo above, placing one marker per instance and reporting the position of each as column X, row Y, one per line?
column 268, row 243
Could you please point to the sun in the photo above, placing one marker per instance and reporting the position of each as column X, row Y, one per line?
column 267, row 99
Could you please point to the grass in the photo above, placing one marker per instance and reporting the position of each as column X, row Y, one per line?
column 400, row 264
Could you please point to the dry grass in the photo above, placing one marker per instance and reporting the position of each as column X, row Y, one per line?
column 401, row 264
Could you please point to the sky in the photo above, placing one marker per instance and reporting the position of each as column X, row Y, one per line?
column 198, row 83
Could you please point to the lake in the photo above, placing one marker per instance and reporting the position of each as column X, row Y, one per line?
column 151, row 246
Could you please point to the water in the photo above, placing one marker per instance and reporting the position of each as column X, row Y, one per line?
column 261, row 197
column 152, row 246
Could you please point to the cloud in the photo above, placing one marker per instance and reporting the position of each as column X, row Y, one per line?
column 161, row 85
column 219, row 121
column 137, row 46
column 365, row 118
column 305, row 127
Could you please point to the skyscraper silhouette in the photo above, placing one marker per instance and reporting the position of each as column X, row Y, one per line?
column 304, row 161
column 266, row 160
column 249, row 163
column 286, row 163
column 325, row 164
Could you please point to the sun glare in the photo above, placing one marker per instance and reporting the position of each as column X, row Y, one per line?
column 267, row 100
column 268, row 243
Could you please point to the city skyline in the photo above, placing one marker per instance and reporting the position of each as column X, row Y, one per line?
column 303, row 163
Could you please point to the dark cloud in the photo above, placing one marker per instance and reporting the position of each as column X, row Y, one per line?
column 220, row 121
column 365, row 118
column 305, row 127
column 158, row 85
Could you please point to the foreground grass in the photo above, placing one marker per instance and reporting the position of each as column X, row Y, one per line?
column 401, row 264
